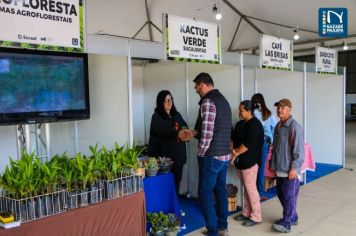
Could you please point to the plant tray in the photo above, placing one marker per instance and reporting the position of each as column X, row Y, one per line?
column 122, row 186
column 85, row 197
column 33, row 208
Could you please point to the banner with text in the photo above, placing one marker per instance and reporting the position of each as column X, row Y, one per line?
column 326, row 60
column 191, row 40
column 276, row 53
column 42, row 24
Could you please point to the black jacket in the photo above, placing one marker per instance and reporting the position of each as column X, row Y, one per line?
column 164, row 139
column 250, row 134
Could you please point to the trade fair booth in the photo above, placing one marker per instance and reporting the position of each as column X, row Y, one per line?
column 122, row 98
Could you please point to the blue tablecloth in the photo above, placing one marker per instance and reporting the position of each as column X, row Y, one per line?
column 160, row 194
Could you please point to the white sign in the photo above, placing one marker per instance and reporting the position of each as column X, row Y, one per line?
column 276, row 53
column 326, row 60
column 42, row 22
column 190, row 39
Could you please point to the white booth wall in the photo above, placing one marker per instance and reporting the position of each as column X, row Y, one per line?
column 325, row 117
column 178, row 78
column 109, row 119
column 249, row 83
column 275, row 85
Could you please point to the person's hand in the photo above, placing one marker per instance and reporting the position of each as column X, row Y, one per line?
column 234, row 155
column 292, row 174
column 185, row 134
column 232, row 159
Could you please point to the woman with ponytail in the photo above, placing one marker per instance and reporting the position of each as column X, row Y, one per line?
column 247, row 138
column 268, row 121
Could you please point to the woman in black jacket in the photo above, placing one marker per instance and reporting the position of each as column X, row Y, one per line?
column 168, row 133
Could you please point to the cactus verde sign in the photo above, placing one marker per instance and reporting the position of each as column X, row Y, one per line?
column 326, row 60
column 191, row 40
column 42, row 24
column 276, row 53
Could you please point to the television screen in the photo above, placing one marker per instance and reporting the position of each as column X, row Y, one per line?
column 42, row 86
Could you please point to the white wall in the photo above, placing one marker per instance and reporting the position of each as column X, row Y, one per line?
column 7, row 145
column 138, row 105
column 275, row 85
column 249, row 83
column 325, row 117
column 108, row 121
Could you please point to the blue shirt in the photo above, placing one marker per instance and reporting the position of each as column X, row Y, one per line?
column 268, row 125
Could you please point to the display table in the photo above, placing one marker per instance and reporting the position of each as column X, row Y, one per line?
column 121, row 216
column 160, row 194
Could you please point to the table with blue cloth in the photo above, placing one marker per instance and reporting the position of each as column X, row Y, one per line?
column 160, row 194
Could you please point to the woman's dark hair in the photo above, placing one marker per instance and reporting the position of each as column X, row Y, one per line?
column 258, row 99
column 161, row 96
column 248, row 106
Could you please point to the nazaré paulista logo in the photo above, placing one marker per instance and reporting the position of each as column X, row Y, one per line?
column 333, row 22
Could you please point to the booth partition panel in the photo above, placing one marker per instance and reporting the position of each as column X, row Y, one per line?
column 138, row 101
column 325, row 117
column 249, row 83
column 275, row 85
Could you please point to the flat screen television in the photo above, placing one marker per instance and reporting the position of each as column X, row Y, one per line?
column 42, row 86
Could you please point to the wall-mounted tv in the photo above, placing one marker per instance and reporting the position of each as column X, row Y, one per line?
column 42, row 86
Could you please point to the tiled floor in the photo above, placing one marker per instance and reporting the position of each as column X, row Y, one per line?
column 326, row 206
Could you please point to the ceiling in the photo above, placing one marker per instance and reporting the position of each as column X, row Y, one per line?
column 126, row 17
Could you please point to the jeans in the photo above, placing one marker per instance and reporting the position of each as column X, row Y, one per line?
column 212, row 181
column 261, row 169
column 287, row 191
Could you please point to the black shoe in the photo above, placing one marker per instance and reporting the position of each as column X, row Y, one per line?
column 182, row 196
column 241, row 218
column 250, row 223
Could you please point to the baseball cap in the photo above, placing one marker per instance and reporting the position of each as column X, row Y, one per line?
column 284, row 103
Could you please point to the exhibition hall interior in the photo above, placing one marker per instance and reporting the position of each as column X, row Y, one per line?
column 163, row 117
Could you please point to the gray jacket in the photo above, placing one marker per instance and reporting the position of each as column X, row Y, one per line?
column 288, row 147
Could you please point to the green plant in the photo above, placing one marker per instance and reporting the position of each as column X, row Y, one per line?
column 159, row 221
column 49, row 175
column 173, row 222
column 85, row 167
column 165, row 161
column 129, row 159
column 152, row 163
column 23, row 178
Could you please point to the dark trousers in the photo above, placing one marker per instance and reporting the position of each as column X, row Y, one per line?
column 177, row 170
column 287, row 191
column 212, row 181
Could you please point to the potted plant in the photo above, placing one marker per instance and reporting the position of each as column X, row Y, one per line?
column 173, row 225
column 151, row 166
column 165, row 164
column 158, row 223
